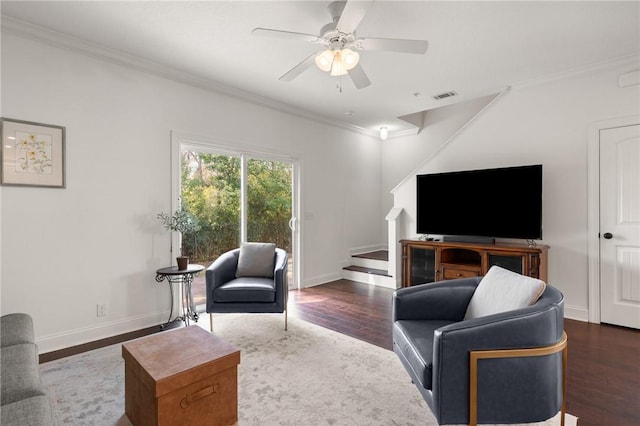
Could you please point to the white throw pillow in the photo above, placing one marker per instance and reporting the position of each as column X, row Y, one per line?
column 502, row 290
column 256, row 260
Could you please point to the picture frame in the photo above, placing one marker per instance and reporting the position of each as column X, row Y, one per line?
column 32, row 154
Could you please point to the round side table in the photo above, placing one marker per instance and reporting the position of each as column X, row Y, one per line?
column 184, row 277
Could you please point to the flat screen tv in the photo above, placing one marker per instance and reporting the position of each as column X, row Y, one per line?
column 489, row 203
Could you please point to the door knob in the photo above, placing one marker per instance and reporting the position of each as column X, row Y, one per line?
column 607, row 235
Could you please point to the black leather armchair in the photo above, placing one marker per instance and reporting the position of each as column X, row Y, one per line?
column 226, row 293
column 461, row 367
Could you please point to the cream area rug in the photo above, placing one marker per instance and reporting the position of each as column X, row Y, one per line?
column 305, row 376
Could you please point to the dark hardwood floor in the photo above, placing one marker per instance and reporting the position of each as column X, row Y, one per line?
column 358, row 310
column 603, row 386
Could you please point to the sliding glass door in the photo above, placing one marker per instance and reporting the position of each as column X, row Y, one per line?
column 269, row 189
column 235, row 197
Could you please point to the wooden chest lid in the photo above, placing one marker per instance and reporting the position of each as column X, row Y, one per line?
column 173, row 359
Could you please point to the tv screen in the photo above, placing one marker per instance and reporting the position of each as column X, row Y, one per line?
column 493, row 203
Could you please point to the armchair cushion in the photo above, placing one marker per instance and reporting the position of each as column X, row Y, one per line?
column 256, row 260
column 246, row 290
column 502, row 290
column 414, row 344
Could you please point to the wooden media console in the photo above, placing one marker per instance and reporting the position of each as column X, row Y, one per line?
column 429, row 261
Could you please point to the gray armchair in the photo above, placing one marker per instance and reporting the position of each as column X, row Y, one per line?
column 226, row 292
column 502, row 368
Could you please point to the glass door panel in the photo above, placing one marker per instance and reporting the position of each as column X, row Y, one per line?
column 423, row 265
column 210, row 191
column 269, row 202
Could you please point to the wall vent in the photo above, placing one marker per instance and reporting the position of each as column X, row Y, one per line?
column 444, row 95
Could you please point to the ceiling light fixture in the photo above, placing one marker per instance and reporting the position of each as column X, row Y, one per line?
column 384, row 133
column 337, row 62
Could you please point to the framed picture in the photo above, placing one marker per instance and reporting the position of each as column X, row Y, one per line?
column 32, row 154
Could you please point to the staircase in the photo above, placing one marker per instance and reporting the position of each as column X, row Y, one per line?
column 371, row 268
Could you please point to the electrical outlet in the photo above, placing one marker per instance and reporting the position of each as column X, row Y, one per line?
column 101, row 310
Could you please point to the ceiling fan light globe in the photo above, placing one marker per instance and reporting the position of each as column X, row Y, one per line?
column 338, row 70
column 338, row 67
column 350, row 58
column 324, row 60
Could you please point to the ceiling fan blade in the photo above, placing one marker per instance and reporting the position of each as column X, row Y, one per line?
column 266, row 32
column 393, row 45
column 352, row 14
column 359, row 77
column 298, row 69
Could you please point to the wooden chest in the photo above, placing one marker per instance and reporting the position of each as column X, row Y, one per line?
column 182, row 376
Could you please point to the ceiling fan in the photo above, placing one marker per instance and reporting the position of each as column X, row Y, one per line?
column 338, row 38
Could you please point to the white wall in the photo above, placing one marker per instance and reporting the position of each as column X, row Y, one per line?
column 98, row 240
column 546, row 123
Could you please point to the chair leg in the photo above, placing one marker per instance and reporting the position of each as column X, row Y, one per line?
column 211, row 322
column 563, row 410
column 286, row 304
column 285, row 320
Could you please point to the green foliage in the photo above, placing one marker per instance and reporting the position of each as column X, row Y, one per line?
column 269, row 202
column 211, row 193
column 181, row 221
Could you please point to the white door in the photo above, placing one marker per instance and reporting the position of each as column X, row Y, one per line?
column 620, row 226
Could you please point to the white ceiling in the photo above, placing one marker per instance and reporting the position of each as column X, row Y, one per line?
column 476, row 47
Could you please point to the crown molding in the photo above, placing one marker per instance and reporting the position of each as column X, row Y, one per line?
column 97, row 51
column 630, row 60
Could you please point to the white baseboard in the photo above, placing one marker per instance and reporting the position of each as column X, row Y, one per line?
column 576, row 313
column 80, row 336
column 321, row 279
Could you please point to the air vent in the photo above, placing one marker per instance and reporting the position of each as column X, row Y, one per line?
column 444, row 95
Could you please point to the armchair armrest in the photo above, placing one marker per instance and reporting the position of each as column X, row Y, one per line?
column 280, row 271
column 442, row 300
column 476, row 356
column 222, row 270
column 530, row 327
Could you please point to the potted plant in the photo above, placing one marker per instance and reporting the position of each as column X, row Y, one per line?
column 181, row 221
